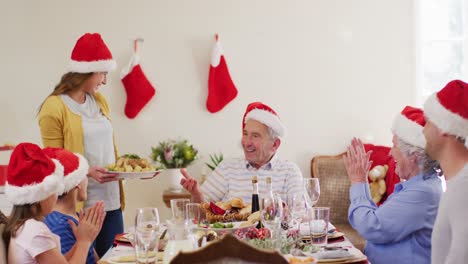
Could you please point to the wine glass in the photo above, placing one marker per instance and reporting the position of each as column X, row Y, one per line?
column 271, row 214
column 312, row 187
column 298, row 204
column 146, row 231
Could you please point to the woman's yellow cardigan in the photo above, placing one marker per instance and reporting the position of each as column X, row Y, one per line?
column 61, row 128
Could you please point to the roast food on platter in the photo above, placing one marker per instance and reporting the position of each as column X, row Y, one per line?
column 131, row 163
column 233, row 210
column 208, row 236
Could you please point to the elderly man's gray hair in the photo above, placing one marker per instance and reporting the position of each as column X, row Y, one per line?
column 273, row 135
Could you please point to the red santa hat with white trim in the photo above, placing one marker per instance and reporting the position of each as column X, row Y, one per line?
column 266, row 115
column 75, row 167
column 32, row 176
column 91, row 54
column 408, row 126
column 448, row 109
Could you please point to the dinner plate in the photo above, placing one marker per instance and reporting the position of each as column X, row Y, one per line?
column 123, row 238
column 333, row 235
column 122, row 259
column 352, row 259
column 224, row 230
column 135, row 175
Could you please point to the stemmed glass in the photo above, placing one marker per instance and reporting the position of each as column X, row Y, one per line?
column 312, row 186
column 146, row 229
column 271, row 214
column 298, row 204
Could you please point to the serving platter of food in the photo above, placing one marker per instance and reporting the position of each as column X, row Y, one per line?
column 234, row 210
column 131, row 166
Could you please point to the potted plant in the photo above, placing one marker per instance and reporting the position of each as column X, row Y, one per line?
column 174, row 155
column 215, row 160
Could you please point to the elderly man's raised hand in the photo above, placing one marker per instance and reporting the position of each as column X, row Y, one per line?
column 357, row 161
column 191, row 185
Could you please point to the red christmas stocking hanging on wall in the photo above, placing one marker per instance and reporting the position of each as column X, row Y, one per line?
column 221, row 89
column 138, row 88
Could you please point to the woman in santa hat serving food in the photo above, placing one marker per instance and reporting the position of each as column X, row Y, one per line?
column 75, row 116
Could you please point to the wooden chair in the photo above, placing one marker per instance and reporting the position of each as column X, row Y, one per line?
column 334, row 193
column 229, row 250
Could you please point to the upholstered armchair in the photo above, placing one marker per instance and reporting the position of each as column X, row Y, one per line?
column 334, row 193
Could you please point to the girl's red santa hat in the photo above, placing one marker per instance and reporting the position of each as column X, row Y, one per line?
column 448, row 109
column 266, row 115
column 408, row 126
column 91, row 54
column 75, row 167
column 32, row 176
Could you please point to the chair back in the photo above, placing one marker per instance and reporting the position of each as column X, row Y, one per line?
column 229, row 250
column 334, row 193
column 334, row 186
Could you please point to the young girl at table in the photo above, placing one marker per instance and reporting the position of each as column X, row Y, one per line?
column 75, row 184
column 33, row 181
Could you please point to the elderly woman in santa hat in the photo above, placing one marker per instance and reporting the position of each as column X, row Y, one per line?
column 262, row 131
column 399, row 231
column 76, row 117
column 33, row 182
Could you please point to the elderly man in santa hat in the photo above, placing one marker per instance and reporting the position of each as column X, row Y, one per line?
column 400, row 230
column 446, row 132
column 261, row 138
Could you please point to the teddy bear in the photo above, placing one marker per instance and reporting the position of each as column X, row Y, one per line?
column 377, row 182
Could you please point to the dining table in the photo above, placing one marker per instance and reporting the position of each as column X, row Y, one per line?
column 121, row 253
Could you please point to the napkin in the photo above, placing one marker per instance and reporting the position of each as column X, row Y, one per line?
column 333, row 253
column 305, row 230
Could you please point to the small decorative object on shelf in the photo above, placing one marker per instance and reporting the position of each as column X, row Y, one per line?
column 7, row 147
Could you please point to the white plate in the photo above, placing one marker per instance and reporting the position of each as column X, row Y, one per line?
column 224, row 230
column 117, row 259
column 135, row 175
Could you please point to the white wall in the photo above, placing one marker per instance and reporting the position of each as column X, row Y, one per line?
column 332, row 69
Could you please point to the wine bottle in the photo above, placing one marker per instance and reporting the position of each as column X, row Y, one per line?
column 255, row 200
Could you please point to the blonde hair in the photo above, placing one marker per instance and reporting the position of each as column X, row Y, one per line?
column 70, row 81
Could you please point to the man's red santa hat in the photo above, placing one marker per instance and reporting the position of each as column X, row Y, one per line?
column 91, row 54
column 408, row 126
column 448, row 109
column 75, row 167
column 32, row 176
column 266, row 115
